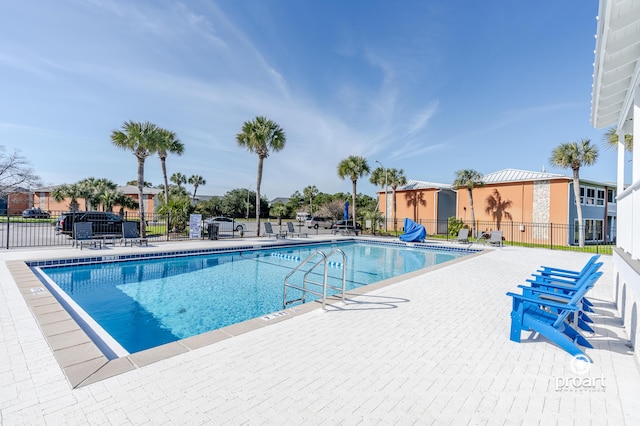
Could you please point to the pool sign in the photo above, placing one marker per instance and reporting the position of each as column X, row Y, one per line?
column 195, row 226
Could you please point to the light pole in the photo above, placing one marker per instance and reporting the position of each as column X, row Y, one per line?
column 248, row 192
column 386, row 203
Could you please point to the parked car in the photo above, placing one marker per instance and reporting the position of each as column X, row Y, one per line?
column 346, row 224
column 35, row 212
column 225, row 224
column 318, row 222
column 103, row 222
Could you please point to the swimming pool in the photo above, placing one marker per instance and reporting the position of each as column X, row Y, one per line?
column 142, row 303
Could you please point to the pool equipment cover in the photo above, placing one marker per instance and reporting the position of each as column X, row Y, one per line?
column 413, row 231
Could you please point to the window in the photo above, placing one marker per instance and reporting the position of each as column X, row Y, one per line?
column 600, row 197
column 592, row 230
column 591, row 195
column 582, row 195
column 611, row 196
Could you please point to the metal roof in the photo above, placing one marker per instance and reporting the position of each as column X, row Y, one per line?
column 615, row 71
column 419, row 184
column 515, row 175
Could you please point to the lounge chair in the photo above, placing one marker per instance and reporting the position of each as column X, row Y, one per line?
column 268, row 231
column 292, row 230
column 463, row 236
column 548, row 315
column 550, row 271
column 130, row 234
column 83, row 235
column 495, row 238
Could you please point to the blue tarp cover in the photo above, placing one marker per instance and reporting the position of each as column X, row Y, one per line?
column 413, row 231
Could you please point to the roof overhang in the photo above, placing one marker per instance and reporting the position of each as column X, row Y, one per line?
column 616, row 72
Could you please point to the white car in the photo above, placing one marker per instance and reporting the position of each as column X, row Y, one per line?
column 226, row 224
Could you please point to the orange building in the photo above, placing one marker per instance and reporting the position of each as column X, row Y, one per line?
column 427, row 203
column 42, row 198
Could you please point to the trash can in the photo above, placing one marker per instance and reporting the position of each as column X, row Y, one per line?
column 212, row 230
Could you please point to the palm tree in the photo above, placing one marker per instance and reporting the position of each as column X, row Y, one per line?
column 87, row 190
column 469, row 178
column 497, row 207
column 610, row 140
column 353, row 167
column 379, row 178
column 167, row 142
column 63, row 192
column 261, row 136
column 395, row 178
column 139, row 138
column 196, row 181
column 573, row 155
column 179, row 179
column 310, row 192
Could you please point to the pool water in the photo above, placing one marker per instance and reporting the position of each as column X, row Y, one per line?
column 146, row 303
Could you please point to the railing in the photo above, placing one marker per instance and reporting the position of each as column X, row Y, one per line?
column 629, row 220
column 307, row 281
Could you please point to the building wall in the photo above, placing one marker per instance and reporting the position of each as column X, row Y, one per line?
column 47, row 203
column 16, row 202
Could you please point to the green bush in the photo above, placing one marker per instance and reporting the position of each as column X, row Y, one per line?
column 454, row 225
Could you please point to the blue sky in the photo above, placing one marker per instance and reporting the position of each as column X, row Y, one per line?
column 429, row 87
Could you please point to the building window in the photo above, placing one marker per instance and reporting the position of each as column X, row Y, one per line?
column 582, row 195
column 592, row 230
column 591, row 196
column 611, row 196
column 600, row 197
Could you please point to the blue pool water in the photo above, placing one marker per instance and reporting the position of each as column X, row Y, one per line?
column 146, row 303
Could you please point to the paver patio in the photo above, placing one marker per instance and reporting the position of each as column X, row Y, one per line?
column 432, row 349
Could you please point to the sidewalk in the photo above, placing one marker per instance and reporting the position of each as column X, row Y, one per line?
column 433, row 349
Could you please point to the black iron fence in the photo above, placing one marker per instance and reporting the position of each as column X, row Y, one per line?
column 17, row 231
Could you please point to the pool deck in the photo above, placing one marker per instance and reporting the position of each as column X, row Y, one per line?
column 432, row 348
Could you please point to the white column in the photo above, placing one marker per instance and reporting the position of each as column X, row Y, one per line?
column 635, row 161
column 621, row 152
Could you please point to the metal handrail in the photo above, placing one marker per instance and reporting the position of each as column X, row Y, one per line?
column 306, row 280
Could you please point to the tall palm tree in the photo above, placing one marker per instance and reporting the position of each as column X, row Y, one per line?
column 196, row 181
column 87, row 190
column 610, row 140
column 261, row 136
column 310, row 192
column 139, row 138
column 179, row 179
column 395, row 178
column 167, row 142
column 469, row 178
column 63, row 192
column 574, row 155
column 353, row 167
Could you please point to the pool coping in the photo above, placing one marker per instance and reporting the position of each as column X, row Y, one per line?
column 83, row 363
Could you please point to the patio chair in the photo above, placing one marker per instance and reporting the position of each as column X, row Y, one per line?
column 495, row 238
column 463, row 236
column 292, row 230
column 83, row 235
column 268, row 231
column 130, row 234
column 549, row 271
column 549, row 317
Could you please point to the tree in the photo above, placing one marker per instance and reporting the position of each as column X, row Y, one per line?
column 497, row 207
column 353, row 167
column 469, row 179
column 139, row 138
column 179, row 179
column 15, row 171
column 62, row 192
column 261, row 136
column 574, row 155
column 278, row 210
column 135, row 183
column 167, row 142
column 610, row 140
column 395, row 179
column 196, row 181
column 310, row 192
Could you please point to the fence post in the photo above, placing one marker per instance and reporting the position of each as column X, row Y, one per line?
column 168, row 226
column 551, row 239
column 8, row 224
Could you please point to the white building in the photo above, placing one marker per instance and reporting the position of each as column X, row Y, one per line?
column 616, row 103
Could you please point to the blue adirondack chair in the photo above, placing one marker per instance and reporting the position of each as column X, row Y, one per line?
column 567, row 287
column 548, row 314
column 549, row 271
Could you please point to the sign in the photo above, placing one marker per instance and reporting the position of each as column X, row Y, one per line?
column 195, row 226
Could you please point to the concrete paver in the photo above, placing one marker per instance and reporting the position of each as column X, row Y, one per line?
column 431, row 349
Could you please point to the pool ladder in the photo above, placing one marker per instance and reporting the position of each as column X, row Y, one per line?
column 307, row 281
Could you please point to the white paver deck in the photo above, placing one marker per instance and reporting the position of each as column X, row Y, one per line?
column 433, row 349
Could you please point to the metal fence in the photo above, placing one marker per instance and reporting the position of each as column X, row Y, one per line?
column 17, row 232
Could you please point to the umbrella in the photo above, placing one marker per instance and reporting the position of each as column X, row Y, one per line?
column 346, row 210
